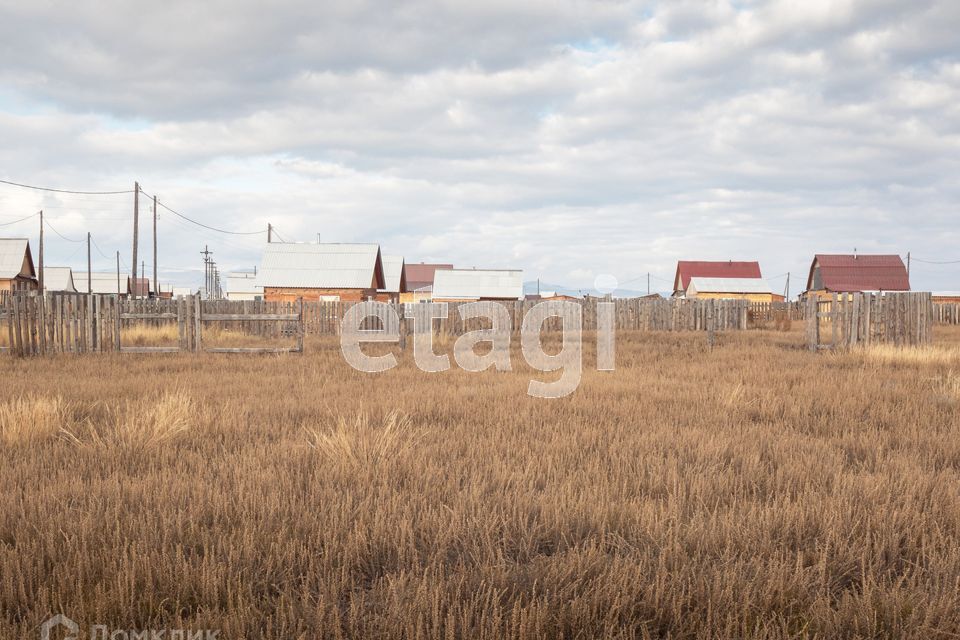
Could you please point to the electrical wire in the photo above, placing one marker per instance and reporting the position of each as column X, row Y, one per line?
column 7, row 224
column 47, row 223
column 82, row 193
column 935, row 261
column 200, row 224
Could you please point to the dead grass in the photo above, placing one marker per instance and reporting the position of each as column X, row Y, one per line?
column 143, row 335
column 26, row 420
column 752, row 490
column 137, row 426
column 936, row 354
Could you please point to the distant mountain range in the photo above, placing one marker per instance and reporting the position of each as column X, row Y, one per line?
column 531, row 287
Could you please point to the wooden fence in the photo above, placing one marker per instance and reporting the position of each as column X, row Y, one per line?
column 82, row 323
column 849, row 319
column 946, row 313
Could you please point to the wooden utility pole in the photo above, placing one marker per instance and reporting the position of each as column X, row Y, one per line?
column 136, row 229
column 143, row 272
column 269, row 232
column 41, row 253
column 648, row 283
column 786, row 295
column 89, row 263
column 908, row 267
column 156, row 284
column 118, row 274
column 206, row 269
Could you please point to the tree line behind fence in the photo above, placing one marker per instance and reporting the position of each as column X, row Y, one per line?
column 81, row 323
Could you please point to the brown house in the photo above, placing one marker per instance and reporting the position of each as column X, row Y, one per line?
column 320, row 272
column 17, row 272
column 853, row 273
column 688, row 269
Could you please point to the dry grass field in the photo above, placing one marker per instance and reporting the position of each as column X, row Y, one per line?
column 752, row 490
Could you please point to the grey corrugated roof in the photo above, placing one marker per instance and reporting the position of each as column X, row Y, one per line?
column 392, row 273
column 478, row 283
column 321, row 266
column 59, row 279
column 12, row 252
column 728, row 285
column 102, row 282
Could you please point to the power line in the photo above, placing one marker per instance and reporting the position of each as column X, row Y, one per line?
column 936, row 261
column 47, row 223
column 200, row 224
column 32, row 215
column 82, row 193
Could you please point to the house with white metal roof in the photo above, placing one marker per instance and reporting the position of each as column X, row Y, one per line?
column 324, row 271
column 103, row 282
column 477, row 284
column 17, row 272
column 753, row 289
column 59, row 279
column 243, row 285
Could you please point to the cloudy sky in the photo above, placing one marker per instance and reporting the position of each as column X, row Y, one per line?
column 570, row 139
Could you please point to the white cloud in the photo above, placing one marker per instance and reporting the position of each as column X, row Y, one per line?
column 568, row 139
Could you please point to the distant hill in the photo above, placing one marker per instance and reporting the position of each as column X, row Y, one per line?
column 531, row 287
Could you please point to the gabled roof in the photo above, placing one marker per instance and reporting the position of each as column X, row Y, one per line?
column 687, row 269
column 855, row 272
column 59, row 279
column 13, row 253
column 393, row 273
column 728, row 285
column 140, row 288
column 101, row 281
column 240, row 282
column 321, row 266
column 472, row 284
column 421, row 274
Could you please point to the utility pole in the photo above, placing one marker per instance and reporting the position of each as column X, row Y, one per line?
column 118, row 274
column 269, row 233
column 206, row 268
column 136, row 229
column 156, row 283
column 786, row 295
column 908, row 267
column 538, row 286
column 648, row 283
column 41, row 252
column 143, row 273
column 89, row 277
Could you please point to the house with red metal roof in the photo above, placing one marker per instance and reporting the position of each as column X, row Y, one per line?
column 419, row 280
column 688, row 269
column 832, row 273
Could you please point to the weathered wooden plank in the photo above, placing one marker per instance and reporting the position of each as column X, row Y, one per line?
column 148, row 316
column 251, row 349
column 233, row 317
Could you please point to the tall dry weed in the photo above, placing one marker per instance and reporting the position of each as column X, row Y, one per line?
column 31, row 419
column 139, row 425
column 361, row 443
